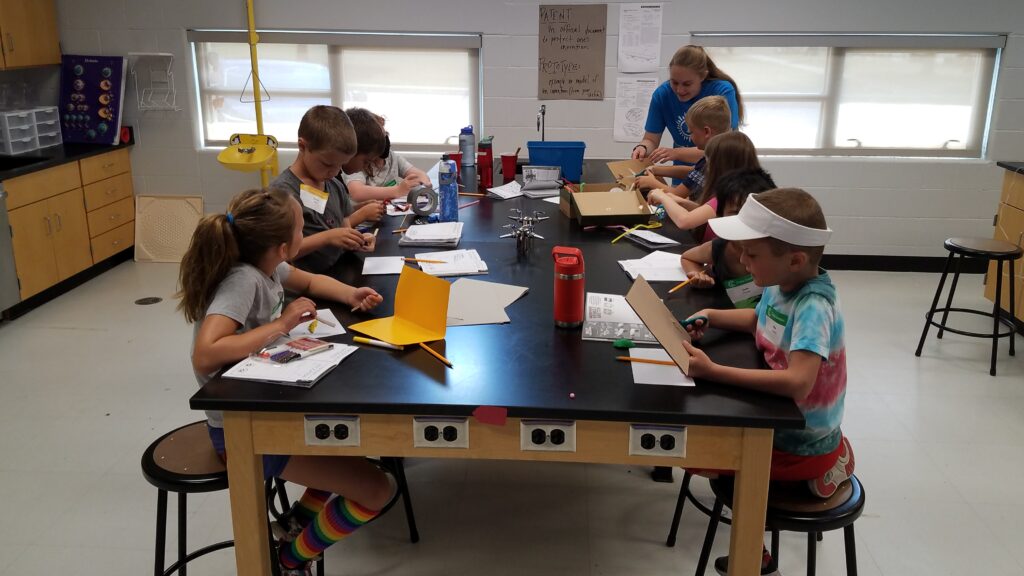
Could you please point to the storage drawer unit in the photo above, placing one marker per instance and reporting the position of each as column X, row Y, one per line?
column 1009, row 227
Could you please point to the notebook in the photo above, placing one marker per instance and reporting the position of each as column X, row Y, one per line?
column 303, row 373
column 456, row 263
column 541, row 181
column 443, row 234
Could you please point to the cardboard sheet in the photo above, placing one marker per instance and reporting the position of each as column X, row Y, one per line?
column 660, row 321
column 421, row 311
column 477, row 302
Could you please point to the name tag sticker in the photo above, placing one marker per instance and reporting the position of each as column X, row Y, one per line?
column 312, row 198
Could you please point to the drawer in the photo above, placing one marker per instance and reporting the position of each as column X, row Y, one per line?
column 104, row 166
column 42, row 184
column 1013, row 189
column 99, row 194
column 111, row 216
column 106, row 245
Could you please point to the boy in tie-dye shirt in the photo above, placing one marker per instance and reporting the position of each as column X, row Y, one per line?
column 797, row 326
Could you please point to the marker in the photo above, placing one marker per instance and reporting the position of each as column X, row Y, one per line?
column 379, row 343
column 645, row 361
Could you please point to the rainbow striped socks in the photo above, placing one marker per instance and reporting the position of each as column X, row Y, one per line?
column 307, row 508
column 338, row 519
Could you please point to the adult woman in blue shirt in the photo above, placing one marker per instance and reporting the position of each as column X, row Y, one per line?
column 692, row 76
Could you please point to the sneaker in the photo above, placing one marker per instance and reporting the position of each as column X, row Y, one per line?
column 285, row 530
column 829, row 482
column 768, row 567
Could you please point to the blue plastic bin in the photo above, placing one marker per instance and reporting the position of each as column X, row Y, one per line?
column 568, row 155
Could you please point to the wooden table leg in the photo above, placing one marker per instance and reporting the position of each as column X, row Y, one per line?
column 749, row 502
column 248, row 503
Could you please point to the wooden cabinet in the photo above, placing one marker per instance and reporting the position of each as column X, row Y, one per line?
column 1010, row 228
column 51, row 241
column 59, row 228
column 28, row 33
column 110, row 202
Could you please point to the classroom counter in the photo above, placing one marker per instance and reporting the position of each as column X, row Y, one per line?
column 1017, row 167
column 36, row 160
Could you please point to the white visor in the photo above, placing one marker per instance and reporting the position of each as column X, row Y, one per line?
column 755, row 221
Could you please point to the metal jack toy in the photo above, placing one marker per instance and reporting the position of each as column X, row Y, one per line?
column 523, row 232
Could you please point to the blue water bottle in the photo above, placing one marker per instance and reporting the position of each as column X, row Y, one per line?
column 467, row 145
column 448, row 190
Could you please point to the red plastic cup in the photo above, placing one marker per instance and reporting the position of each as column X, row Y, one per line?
column 457, row 156
column 508, row 167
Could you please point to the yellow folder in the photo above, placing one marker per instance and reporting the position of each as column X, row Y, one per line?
column 421, row 311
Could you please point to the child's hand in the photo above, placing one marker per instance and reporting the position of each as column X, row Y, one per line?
column 298, row 311
column 700, row 365
column 365, row 299
column 347, row 238
column 372, row 211
column 702, row 279
column 411, row 181
column 369, row 243
column 657, row 197
column 647, row 182
column 697, row 324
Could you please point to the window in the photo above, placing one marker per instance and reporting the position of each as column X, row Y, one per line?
column 398, row 76
column 856, row 99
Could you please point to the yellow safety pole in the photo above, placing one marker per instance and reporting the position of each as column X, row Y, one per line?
column 253, row 40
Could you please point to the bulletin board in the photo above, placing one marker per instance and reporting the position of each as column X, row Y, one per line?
column 572, row 51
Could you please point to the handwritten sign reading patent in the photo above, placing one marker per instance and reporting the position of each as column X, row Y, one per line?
column 572, row 46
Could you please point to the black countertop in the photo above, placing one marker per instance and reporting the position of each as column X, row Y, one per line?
column 528, row 366
column 13, row 166
column 1017, row 167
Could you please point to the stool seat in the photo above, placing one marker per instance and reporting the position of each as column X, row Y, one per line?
column 183, row 460
column 793, row 508
column 983, row 248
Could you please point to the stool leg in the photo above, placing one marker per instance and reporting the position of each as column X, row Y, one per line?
column 851, row 551
column 812, row 553
column 320, row 567
column 403, row 487
column 709, row 537
column 683, row 490
column 775, row 550
column 935, row 302
column 1013, row 301
column 182, row 537
column 995, row 316
column 282, row 496
column 161, row 532
column 949, row 299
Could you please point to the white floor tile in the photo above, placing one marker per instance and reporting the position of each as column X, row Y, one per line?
column 981, row 473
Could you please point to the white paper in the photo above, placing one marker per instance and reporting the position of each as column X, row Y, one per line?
column 507, row 191
column 632, row 99
column 610, row 308
column 321, row 330
column 473, row 302
column 653, row 237
column 438, row 231
column 402, row 209
column 639, row 37
column 433, row 175
column 658, row 266
column 301, row 371
column 552, row 200
column 383, row 265
column 655, row 373
column 456, row 263
column 609, row 317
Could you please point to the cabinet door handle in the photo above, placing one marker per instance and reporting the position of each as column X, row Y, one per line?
column 115, row 242
column 49, row 228
column 10, row 42
column 59, row 223
column 109, row 165
column 110, row 192
column 114, row 217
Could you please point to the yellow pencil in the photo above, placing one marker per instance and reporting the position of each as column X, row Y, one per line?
column 375, row 230
column 427, row 261
column 399, row 230
column 436, row 355
column 471, row 194
column 645, row 361
column 380, row 343
column 680, row 285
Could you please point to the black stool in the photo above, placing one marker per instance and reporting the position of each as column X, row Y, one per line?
column 182, row 461
column 990, row 250
column 791, row 507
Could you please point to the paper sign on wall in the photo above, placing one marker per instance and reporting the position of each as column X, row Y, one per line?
column 632, row 99
column 572, row 51
column 639, row 37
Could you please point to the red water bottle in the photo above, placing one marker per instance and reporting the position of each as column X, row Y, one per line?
column 569, row 292
column 485, row 163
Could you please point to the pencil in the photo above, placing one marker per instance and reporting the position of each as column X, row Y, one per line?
column 398, row 230
column 471, row 194
column 379, row 343
column 436, row 355
column 375, row 230
column 323, row 320
column 426, row 261
column 680, row 285
column 646, row 361
column 468, row 204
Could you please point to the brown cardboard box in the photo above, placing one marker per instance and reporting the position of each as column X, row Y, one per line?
column 565, row 203
column 623, row 171
column 610, row 208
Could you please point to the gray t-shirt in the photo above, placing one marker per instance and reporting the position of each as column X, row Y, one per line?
column 395, row 168
column 249, row 297
column 339, row 206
